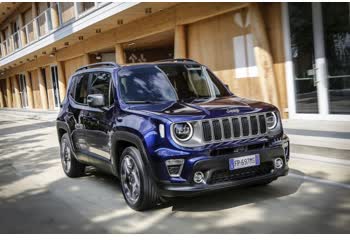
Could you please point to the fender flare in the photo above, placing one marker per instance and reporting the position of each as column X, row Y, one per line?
column 63, row 125
column 121, row 135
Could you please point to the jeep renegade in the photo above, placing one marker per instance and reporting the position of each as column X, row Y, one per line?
column 167, row 129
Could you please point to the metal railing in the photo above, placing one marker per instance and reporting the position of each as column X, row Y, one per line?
column 41, row 26
column 31, row 32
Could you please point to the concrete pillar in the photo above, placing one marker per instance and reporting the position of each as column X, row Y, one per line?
column 54, row 15
column 9, row 92
column 263, row 56
column 22, row 30
column 2, row 104
column 119, row 54
column 86, row 59
column 61, row 80
column 29, row 90
column 17, row 96
column 42, row 88
column 180, row 42
column 35, row 22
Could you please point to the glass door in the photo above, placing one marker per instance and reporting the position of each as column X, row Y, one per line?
column 56, row 92
column 303, row 57
column 336, row 22
column 23, row 90
column 319, row 52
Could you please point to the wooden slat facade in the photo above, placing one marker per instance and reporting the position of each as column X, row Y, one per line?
column 206, row 32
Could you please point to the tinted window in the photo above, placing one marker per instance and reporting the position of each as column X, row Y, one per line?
column 145, row 84
column 100, row 83
column 81, row 83
column 193, row 81
column 169, row 82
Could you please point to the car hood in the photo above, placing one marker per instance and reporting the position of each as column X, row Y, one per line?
column 212, row 108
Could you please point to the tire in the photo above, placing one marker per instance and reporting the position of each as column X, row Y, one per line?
column 139, row 190
column 71, row 167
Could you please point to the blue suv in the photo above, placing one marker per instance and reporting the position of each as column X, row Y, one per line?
column 168, row 129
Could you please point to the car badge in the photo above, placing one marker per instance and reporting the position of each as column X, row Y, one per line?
column 232, row 110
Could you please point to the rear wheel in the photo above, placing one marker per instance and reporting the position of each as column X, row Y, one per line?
column 138, row 188
column 71, row 167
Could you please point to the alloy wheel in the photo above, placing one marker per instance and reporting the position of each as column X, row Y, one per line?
column 66, row 157
column 130, row 179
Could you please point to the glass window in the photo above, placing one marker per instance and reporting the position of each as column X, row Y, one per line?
column 67, row 11
column 145, row 84
column 84, row 6
column 100, row 84
column 169, row 82
column 81, row 83
column 55, row 86
column 302, row 48
column 336, row 20
column 193, row 81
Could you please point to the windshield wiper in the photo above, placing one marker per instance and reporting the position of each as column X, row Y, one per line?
column 143, row 102
column 192, row 99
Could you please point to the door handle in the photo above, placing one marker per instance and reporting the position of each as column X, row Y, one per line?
column 119, row 119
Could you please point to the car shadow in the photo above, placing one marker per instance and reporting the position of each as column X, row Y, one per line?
column 218, row 200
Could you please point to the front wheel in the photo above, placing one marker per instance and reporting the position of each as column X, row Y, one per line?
column 138, row 188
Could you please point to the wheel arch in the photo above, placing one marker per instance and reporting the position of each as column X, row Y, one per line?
column 122, row 139
column 62, row 128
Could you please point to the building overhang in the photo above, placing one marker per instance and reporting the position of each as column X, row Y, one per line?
column 86, row 21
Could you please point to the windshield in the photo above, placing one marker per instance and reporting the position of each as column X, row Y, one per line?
column 169, row 82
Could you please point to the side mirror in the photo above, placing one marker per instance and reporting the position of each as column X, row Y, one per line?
column 96, row 100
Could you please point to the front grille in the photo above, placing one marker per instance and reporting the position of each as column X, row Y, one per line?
column 234, row 127
column 245, row 126
column 217, row 130
column 220, row 176
column 227, row 128
column 232, row 150
column 206, row 131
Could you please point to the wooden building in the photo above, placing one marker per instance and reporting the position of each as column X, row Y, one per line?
column 252, row 47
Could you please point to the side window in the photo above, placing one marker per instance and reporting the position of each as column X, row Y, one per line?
column 71, row 86
column 100, row 84
column 81, row 83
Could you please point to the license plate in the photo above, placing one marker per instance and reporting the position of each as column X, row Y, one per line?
column 245, row 161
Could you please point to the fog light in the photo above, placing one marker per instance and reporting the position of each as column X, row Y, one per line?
column 174, row 167
column 278, row 163
column 198, row 177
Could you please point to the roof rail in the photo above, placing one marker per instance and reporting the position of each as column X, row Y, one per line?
column 178, row 60
column 105, row 64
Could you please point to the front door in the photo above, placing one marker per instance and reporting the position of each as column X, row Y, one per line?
column 319, row 38
column 99, row 121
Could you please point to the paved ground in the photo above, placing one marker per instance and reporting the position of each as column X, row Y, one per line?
column 36, row 197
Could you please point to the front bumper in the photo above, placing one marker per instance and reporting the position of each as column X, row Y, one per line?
column 220, row 164
column 182, row 190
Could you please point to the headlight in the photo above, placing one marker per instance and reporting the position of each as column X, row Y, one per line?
column 183, row 131
column 271, row 120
